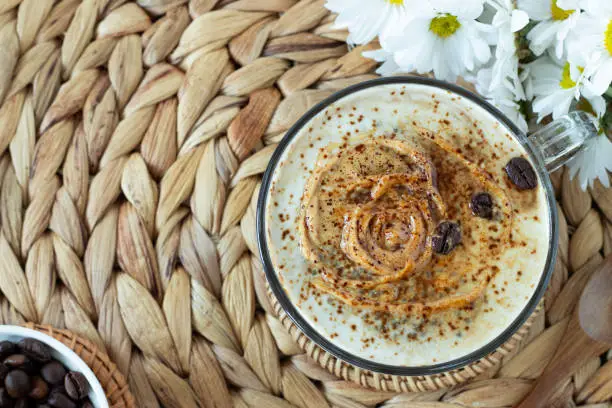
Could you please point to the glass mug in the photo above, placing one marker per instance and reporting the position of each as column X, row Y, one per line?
column 548, row 148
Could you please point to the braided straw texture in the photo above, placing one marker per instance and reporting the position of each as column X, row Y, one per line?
column 114, row 383
column 133, row 135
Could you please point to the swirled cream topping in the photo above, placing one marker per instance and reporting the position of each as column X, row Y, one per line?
column 369, row 214
column 354, row 218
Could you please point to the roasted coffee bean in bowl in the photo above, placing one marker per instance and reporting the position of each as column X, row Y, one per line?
column 38, row 371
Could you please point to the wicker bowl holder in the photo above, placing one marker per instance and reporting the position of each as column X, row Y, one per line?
column 386, row 382
column 113, row 382
column 133, row 138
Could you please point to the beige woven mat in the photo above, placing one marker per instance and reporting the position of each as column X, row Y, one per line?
column 127, row 206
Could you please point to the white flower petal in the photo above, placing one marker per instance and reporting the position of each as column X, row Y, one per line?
column 545, row 86
column 557, row 103
column 574, row 165
column 367, row 19
column 500, row 18
column 544, row 106
column 563, row 105
column 467, row 55
column 379, row 55
column 519, row 20
column 537, row 9
column 482, row 52
column 388, row 67
column 412, row 34
column 542, row 36
column 602, row 78
column 593, row 162
column 528, row 83
column 440, row 66
column 597, row 7
column 453, row 52
column 465, row 9
column 599, row 105
column 568, row 4
column 559, row 49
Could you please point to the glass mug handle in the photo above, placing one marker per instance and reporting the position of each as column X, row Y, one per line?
column 563, row 138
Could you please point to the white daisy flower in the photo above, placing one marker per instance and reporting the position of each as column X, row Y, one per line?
column 499, row 83
column 556, row 19
column 555, row 86
column 503, row 97
column 366, row 19
column 507, row 21
column 593, row 162
column 445, row 37
column 388, row 65
column 590, row 45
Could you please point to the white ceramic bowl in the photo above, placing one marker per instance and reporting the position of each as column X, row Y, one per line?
column 62, row 354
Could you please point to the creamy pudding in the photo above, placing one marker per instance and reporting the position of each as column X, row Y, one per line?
column 400, row 231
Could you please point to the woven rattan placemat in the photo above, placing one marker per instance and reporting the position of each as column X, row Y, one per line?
column 127, row 208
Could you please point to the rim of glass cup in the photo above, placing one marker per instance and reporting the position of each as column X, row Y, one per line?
column 295, row 315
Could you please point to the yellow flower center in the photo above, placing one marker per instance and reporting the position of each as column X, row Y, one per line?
column 557, row 12
column 444, row 25
column 396, row 2
column 608, row 37
column 566, row 81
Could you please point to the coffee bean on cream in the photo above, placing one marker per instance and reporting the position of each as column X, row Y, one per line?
column 395, row 229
